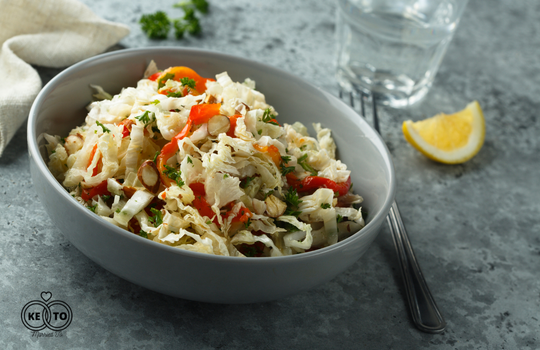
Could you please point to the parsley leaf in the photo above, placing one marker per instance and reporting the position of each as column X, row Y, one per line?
column 188, row 82
column 163, row 80
column 339, row 219
column 293, row 201
column 157, row 219
column 174, row 175
column 156, row 25
column 245, row 182
column 326, row 205
column 268, row 117
column 303, row 163
column 175, row 94
column 143, row 234
column 146, row 119
column 92, row 208
column 286, row 169
column 105, row 129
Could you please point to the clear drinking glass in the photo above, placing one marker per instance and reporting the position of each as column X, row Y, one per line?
column 394, row 47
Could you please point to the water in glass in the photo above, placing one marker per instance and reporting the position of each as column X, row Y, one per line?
column 394, row 48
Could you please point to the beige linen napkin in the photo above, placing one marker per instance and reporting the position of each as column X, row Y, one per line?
column 51, row 33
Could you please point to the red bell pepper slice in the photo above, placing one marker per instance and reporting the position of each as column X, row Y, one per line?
column 154, row 76
column 168, row 151
column 200, row 114
column 232, row 120
column 200, row 202
column 99, row 190
column 95, row 171
column 312, row 183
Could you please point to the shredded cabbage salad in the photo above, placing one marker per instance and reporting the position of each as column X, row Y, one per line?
column 204, row 165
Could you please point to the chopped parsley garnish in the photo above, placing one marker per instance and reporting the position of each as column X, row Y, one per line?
column 118, row 210
column 155, row 102
column 189, row 160
column 157, row 219
column 163, row 80
column 190, row 83
column 303, row 163
column 286, row 169
column 156, row 25
column 248, row 222
column 287, row 226
column 326, row 206
column 105, row 129
column 293, row 201
column 155, row 156
column 267, row 194
column 92, row 208
column 303, row 147
column 146, row 118
column 268, row 117
column 105, row 197
column 259, row 132
column 245, row 182
column 339, row 219
column 175, row 94
column 143, row 234
column 174, row 175
column 208, row 222
column 225, row 176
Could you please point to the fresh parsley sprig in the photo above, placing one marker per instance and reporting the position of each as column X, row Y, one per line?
column 105, row 129
column 158, row 24
column 174, row 175
column 268, row 117
column 293, row 201
column 303, row 163
column 147, row 118
column 157, row 219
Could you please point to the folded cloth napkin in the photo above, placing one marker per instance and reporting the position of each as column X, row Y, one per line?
column 50, row 33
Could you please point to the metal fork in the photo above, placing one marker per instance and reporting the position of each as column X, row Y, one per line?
column 424, row 311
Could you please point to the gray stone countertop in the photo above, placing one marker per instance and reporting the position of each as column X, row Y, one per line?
column 475, row 227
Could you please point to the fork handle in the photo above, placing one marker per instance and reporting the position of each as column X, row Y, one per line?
column 426, row 316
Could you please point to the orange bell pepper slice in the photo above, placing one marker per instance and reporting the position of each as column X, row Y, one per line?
column 272, row 151
column 185, row 72
column 200, row 114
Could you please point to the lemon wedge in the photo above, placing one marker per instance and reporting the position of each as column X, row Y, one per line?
column 448, row 138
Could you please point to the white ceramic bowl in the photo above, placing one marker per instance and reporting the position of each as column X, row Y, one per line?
column 60, row 106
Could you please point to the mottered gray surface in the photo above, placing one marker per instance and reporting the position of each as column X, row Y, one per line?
column 475, row 227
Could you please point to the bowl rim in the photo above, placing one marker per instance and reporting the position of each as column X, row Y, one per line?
column 34, row 153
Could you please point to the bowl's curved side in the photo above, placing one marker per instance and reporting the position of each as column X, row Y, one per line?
column 60, row 106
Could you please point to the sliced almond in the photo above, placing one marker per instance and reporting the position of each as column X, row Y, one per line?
column 210, row 99
column 129, row 191
column 218, row 124
column 242, row 108
column 149, row 176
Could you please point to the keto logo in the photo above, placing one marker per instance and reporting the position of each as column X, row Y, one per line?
column 55, row 315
